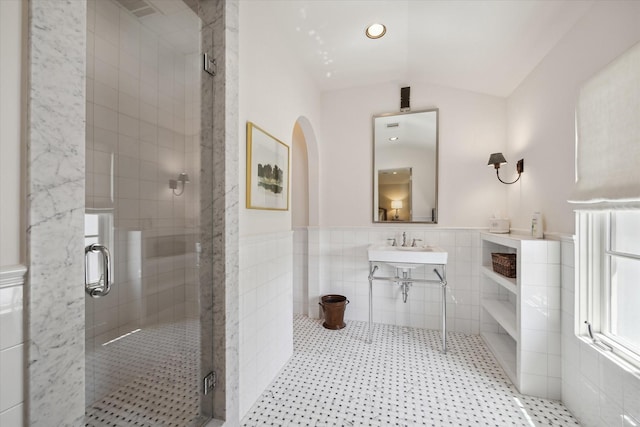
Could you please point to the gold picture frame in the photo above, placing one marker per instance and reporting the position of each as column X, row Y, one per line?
column 267, row 175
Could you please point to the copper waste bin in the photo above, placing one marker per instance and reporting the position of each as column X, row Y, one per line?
column 333, row 307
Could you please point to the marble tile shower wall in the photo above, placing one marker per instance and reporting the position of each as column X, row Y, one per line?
column 343, row 253
column 266, row 328
column 142, row 130
column 596, row 390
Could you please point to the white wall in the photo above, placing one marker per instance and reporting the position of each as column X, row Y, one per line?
column 11, row 249
column 299, row 179
column 541, row 112
column 536, row 123
column 541, row 129
column 471, row 127
column 274, row 92
column 11, row 108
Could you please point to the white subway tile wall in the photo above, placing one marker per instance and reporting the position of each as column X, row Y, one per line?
column 596, row 390
column 540, row 320
column 300, row 271
column 343, row 269
column 11, row 353
column 266, row 311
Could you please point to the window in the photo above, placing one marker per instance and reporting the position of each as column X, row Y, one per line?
column 623, row 260
column 609, row 268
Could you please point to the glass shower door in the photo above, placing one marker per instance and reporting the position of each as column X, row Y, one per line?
column 142, row 204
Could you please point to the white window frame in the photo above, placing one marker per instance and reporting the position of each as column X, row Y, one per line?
column 593, row 274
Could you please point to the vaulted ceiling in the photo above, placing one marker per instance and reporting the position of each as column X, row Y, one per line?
column 484, row 46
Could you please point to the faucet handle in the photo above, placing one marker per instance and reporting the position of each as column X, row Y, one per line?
column 413, row 243
column 393, row 241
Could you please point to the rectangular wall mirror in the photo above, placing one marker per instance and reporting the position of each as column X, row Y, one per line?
column 405, row 167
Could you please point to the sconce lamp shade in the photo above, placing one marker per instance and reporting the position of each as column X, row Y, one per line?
column 396, row 204
column 496, row 159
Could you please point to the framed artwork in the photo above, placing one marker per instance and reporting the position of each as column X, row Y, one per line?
column 267, row 171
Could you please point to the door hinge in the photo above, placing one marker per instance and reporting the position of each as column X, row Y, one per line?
column 210, row 65
column 209, row 382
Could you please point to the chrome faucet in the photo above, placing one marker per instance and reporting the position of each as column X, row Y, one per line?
column 393, row 241
column 404, row 239
column 413, row 243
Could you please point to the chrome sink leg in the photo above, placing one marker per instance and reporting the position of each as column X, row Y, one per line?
column 443, row 285
column 372, row 270
column 444, row 318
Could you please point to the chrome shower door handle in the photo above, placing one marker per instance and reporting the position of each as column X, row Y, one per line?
column 103, row 285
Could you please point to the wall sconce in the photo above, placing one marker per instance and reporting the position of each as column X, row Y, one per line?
column 173, row 183
column 496, row 159
column 396, row 204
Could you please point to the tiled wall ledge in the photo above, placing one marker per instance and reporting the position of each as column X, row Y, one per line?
column 12, row 275
column 11, row 345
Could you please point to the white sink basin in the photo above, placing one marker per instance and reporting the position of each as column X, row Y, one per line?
column 406, row 257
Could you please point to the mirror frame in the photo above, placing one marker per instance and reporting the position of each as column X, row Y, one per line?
column 373, row 166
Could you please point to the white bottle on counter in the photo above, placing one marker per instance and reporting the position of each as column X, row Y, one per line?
column 537, row 227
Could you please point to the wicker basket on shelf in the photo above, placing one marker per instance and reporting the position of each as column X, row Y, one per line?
column 504, row 264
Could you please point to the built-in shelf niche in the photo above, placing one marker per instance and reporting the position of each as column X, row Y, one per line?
column 517, row 312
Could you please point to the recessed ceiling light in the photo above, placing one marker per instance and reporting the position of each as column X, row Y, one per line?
column 393, row 139
column 375, row 31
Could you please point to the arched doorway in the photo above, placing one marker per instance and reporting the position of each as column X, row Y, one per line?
column 305, row 218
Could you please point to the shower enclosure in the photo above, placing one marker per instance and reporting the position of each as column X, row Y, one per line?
column 143, row 332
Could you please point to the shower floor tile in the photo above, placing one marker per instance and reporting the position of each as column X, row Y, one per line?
column 335, row 379
column 161, row 365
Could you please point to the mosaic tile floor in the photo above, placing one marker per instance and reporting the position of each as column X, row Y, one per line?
column 155, row 378
column 401, row 379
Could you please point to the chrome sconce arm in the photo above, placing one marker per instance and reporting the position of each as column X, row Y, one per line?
column 173, row 183
column 497, row 159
